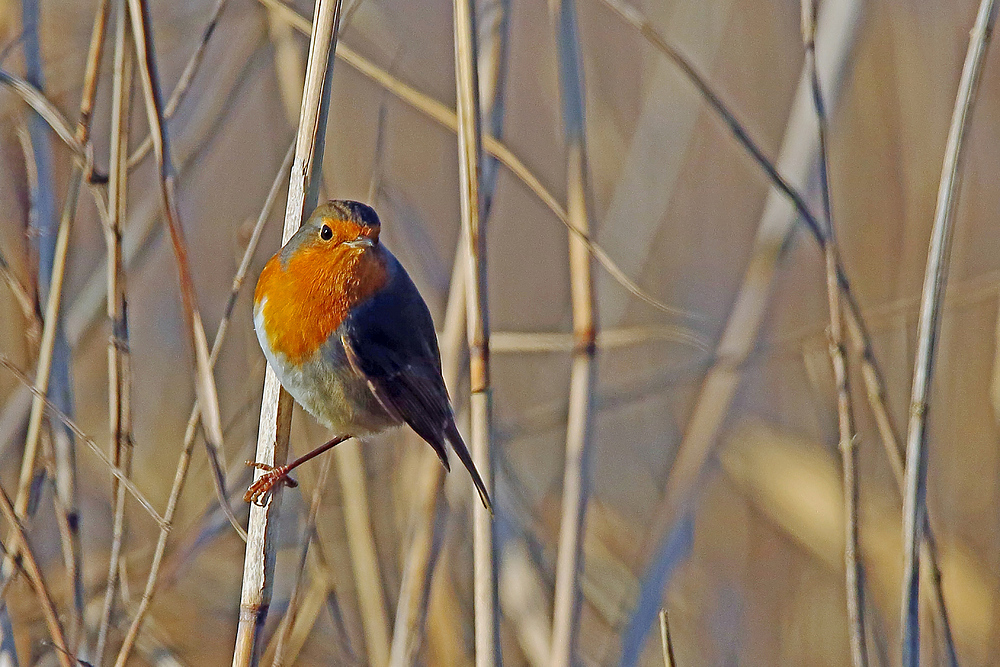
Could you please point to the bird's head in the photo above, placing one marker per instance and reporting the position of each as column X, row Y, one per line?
column 336, row 229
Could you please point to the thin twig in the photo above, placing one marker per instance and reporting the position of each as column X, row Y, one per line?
column 583, row 376
column 665, row 643
column 928, row 329
column 192, row 426
column 838, row 359
column 470, row 152
column 275, row 416
column 47, row 110
column 119, row 362
column 205, row 388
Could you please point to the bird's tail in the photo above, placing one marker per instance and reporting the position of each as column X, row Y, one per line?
column 466, row 458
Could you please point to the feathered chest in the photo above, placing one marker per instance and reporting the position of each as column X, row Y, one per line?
column 301, row 301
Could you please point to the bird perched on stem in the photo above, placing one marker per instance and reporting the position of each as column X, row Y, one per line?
column 351, row 339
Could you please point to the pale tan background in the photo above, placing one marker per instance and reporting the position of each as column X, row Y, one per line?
column 677, row 204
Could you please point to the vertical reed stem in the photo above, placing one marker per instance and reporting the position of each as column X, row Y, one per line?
column 470, row 151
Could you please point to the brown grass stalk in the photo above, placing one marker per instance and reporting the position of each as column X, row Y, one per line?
column 204, row 383
column 487, row 622
column 838, row 358
column 119, row 361
column 583, row 375
column 37, row 581
column 928, row 330
column 190, row 432
column 275, row 418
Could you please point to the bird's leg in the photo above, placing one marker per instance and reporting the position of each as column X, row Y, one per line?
column 273, row 475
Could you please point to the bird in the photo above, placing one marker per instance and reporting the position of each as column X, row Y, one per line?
column 352, row 340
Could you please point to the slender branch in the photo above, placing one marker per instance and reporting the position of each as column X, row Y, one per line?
column 838, row 358
column 928, row 329
column 119, row 363
column 583, row 376
column 275, row 415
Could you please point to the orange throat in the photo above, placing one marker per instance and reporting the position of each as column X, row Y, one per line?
column 308, row 298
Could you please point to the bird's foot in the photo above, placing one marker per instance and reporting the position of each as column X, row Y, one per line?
column 272, row 477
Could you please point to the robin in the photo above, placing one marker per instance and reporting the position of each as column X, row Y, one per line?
column 351, row 339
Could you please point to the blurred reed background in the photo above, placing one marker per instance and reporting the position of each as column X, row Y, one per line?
column 706, row 421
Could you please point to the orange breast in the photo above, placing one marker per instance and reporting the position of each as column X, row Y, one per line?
column 310, row 296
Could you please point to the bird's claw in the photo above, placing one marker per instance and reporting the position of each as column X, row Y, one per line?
column 265, row 484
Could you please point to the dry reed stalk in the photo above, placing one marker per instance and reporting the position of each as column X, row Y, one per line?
column 275, row 417
column 192, row 426
column 119, row 362
column 445, row 117
column 519, row 342
column 51, row 267
column 928, row 330
column 364, row 558
column 524, row 595
column 487, row 623
column 426, row 521
column 47, row 110
column 140, row 235
column 294, row 599
column 204, row 380
column 53, row 342
column 37, row 581
column 67, row 528
column 583, row 374
column 20, row 293
column 838, row 358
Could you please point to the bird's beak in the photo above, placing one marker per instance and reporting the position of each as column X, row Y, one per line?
column 361, row 242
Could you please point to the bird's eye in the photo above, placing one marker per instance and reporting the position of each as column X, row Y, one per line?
column 326, row 233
